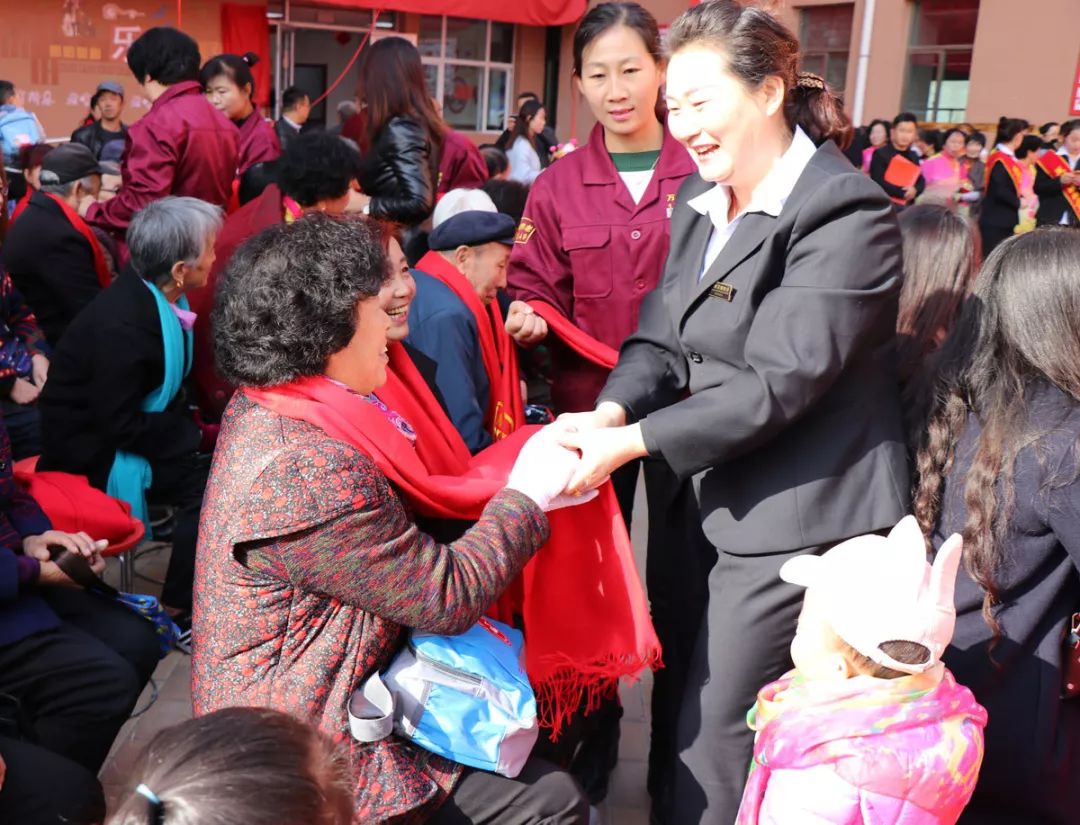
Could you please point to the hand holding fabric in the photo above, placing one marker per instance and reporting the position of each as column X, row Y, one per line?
column 542, row 471
column 523, row 325
column 37, row 547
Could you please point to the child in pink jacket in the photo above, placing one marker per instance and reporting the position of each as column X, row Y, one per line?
column 870, row 727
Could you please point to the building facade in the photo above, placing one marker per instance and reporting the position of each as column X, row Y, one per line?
column 945, row 60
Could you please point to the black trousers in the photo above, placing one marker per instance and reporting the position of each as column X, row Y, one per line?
column 992, row 236
column 180, row 483
column 743, row 644
column 540, row 795
column 43, row 788
column 76, row 684
column 677, row 567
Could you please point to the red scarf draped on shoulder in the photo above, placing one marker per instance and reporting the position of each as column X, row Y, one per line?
column 21, row 204
column 104, row 275
column 1012, row 166
column 592, row 350
column 506, row 410
column 586, row 618
column 1054, row 165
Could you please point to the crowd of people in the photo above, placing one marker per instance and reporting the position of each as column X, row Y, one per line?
column 843, row 362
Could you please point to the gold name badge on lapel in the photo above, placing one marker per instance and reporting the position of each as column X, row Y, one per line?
column 725, row 292
column 670, row 204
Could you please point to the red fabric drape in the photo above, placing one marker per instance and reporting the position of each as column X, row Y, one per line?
column 593, row 351
column 245, row 29
column 104, row 276
column 586, row 619
column 530, row 13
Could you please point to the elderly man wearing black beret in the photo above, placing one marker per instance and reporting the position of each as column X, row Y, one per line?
column 455, row 318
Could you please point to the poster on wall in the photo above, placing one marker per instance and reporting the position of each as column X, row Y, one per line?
column 59, row 50
column 1075, row 108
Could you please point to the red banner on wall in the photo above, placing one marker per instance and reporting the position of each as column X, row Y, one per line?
column 244, row 28
column 529, row 12
column 1075, row 107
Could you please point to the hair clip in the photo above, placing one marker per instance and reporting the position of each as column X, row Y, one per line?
column 809, row 80
column 157, row 807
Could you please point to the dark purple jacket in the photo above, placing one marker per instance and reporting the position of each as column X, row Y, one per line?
column 182, row 146
column 21, row 611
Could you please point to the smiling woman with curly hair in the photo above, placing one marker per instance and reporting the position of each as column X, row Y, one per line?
column 310, row 569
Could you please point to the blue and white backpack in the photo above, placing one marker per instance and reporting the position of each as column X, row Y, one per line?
column 18, row 128
column 465, row 697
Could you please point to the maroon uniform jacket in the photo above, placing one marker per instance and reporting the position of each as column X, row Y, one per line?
column 585, row 247
column 461, row 165
column 182, row 146
column 258, row 142
column 212, row 391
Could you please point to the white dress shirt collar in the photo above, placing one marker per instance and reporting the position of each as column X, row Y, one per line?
column 770, row 195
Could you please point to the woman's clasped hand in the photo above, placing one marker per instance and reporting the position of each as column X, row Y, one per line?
column 544, row 469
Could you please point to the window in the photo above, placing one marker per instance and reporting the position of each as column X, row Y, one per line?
column 939, row 59
column 468, row 65
column 825, row 35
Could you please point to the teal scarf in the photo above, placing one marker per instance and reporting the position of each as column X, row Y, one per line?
column 130, row 476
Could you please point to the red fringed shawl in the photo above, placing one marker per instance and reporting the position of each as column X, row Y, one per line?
column 586, row 618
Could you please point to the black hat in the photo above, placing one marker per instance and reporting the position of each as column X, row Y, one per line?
column 473, row 228
column 68, row 163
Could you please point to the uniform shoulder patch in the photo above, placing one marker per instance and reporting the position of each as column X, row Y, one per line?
column 525, row 231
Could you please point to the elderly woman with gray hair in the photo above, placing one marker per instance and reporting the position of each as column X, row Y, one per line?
column 113, row 408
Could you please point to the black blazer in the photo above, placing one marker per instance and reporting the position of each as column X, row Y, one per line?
column 51, row 264
column 110, row 359
column 400, row 173
column 1052, row 203
column 285, row 133
column 879, row 165
column 793, row 427
column 1001, row 205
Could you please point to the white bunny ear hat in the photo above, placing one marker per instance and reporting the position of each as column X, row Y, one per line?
column 882, row 589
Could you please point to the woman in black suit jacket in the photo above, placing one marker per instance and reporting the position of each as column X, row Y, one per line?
column 1054, row 209
column 1000, row 211
column 113, row 356
column 763, row 366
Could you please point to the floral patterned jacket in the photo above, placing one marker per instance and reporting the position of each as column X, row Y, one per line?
column 309, row 573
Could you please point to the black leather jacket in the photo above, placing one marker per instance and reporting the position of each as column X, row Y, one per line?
column 399, row 173
column 94, row 137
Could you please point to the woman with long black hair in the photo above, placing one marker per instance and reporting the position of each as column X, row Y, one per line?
column 399, row 132
column 524, row 153
column 999, row 462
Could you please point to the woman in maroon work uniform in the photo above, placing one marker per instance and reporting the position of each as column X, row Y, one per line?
column 230, row 87
column 182, row 146
column 592, row 243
